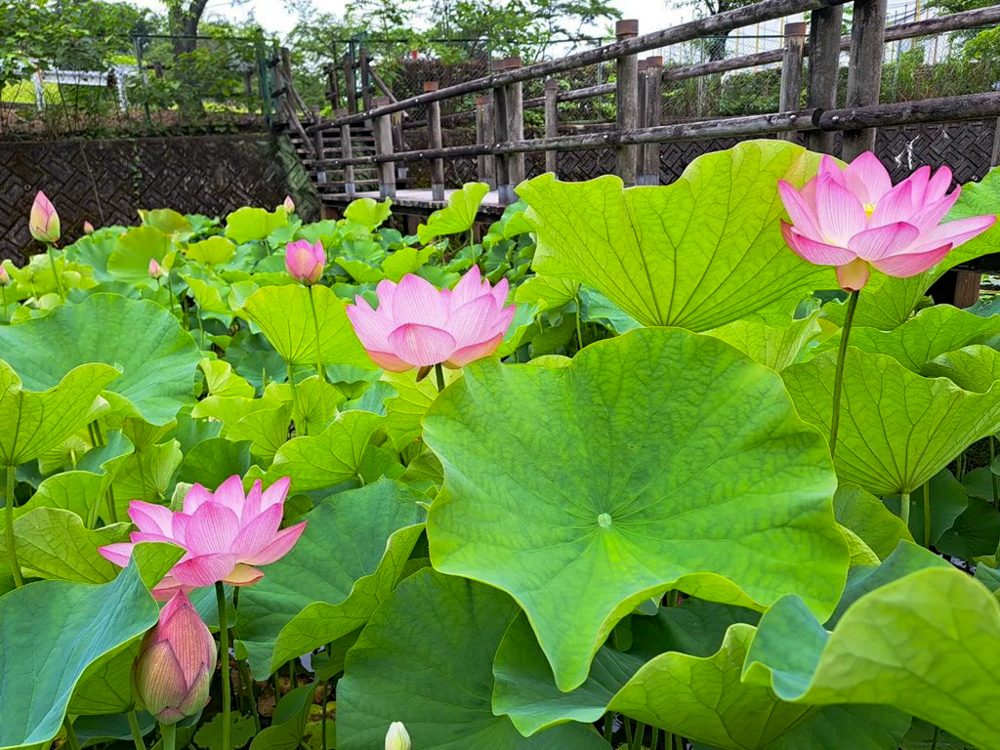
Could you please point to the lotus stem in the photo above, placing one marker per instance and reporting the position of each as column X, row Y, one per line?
column 142, row 476
column 609, row 726
column 934, row 741
column 927, row 515
column 322, row 716
column 654, row 738
column 838, row 378
column 295, row 400
column 3, row 291
column 71, row 738
column 55, row 272
column 439, row 373
column 277, row 686
column 15, row 566
column 170, row 293
column 133, row 725
column 579, row 330
column 904, row 508
column 993, row 476
column 220, row 598
column 319, row 357
column 112, row 506
column 678, row 742
column 247, row 681
column 168, row 733
column 640, row 730
column 628, row 731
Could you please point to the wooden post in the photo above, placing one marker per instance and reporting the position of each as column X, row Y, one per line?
column 434, row 140
column 318, row 145
column 286, row 65
column 366, row 79
column 484, row 134
column 383, row 147
column 333, row 89
column 350, row 85
column 864, row 74
column 649, row 172
column 505, row 190
column 790, row 98
column 824, row 70
column 641, row 122
column 402, row 171
column 515, row 127
column 626, row 94
column 345, row 153
column 551, row 123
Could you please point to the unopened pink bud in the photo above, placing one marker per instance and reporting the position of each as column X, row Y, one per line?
column 155, row 269
column 4, row 277
column 88, row 228
column 305, row 262
column 176, row 662
column 44, row 221
column 289, row 204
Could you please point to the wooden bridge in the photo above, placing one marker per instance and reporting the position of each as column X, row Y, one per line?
column 363, row 149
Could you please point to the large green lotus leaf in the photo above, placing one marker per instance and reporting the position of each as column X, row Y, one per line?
column 284, row 314
column 887, row 302
column 145, row 475
column 691, row 470
column 139, row 245
column 347, row 560
column 288, row 724
column 974, row 368
column 167, row 221
column 368, row 212
column 897, row 429
column 699, row 253
column 246, row 224
column 54, row 544
column 212, row 252
column 699, row 697
column 547, row 293
column 927, row 643
column 867, row 516
column 406, row 409
column 106, row 685
column 50, row 632
column 329, row 458
column 426, row 659
column 846, row 726
column 33, row 422
column 157, row 358
column 775, row 346
column 266, row 429
column 930, row 333
column 220, row 380
column 213, row 461
column 458, row 216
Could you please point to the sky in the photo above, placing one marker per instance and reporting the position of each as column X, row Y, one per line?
column 275, row 17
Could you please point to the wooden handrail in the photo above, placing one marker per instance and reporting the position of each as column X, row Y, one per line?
column 945, row 109
column 708, row 26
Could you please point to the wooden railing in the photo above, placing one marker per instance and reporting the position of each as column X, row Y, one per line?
column 499, row 111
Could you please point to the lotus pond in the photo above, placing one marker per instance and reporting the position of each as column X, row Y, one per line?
column 565, row 485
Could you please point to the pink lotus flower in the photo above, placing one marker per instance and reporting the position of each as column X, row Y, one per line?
column 224, row 534
column 416, row 325
column 176, row 662
column 88, row 228
column 156, row 271
column 305, row 262
column 855, row 218
column 44, row 221
column 4, row 277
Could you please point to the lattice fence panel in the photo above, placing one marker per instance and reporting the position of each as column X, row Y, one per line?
column 105, row 181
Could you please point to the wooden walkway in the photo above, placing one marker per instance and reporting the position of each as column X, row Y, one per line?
column 417, row 199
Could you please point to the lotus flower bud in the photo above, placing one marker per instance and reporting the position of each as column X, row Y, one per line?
column 176, row 662
column 289, row 204
column 44, row 221
column 88, row 228
column 4, row 277
column 397, row 738
column 156, row 271
column 305, row 262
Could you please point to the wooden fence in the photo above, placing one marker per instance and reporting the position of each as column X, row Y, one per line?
column 500, row 144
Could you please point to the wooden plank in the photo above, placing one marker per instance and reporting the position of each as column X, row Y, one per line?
column 366, row 79
column 945, row 109
column 384, row 150
column 434, row 140
column 995, row 159
column 824, row 70
column 551, row 123
column 649, row 172
column 346, row 153
column 789, row 98
column 350, row 89
column 627, row 101
column 864, row 73
column 500, row 136
column 515, row 129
